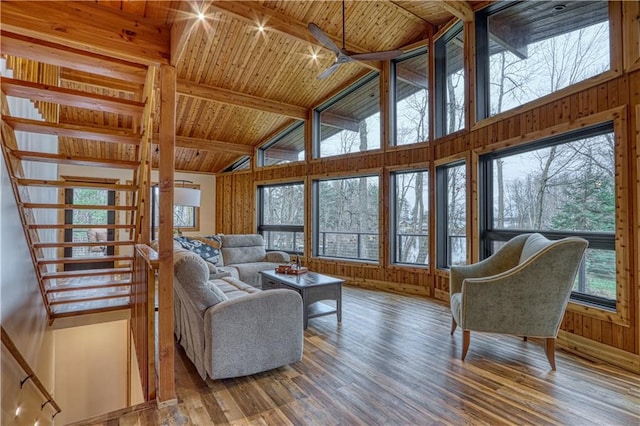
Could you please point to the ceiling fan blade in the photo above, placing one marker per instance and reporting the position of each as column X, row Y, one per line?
column 323, row 38
column 326, row 73
column 384, row 55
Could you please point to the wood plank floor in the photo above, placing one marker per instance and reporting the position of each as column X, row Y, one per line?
column 393, row 362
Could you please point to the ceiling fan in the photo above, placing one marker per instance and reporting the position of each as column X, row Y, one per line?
column 343, row 55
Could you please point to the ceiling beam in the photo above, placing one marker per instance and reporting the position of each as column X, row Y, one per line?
column 89, row 27
column 210, row 145
column 283, row 154
column 103, row 82
column 412, row 77
column 72, row 130
column 458, row 8
column 64, row 56
column 339, row 122
column 75, row 98
column 216, row 94
column 255, row 14
column 508, row 37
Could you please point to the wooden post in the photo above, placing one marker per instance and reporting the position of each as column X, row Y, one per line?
column 166, row 380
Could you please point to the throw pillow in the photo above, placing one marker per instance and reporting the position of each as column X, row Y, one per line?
column 203, row 247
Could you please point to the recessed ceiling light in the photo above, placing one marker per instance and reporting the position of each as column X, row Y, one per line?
column 201, row 15
column 314, row 55
column 261, row 28
column 559, row 7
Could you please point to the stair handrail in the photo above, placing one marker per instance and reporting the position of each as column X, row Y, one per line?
column 31, row 375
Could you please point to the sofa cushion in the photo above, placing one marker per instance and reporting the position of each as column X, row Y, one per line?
column 233, row 288
column 217, row 293
column 192, row 273
column 534, row 244
column 250, row 272
column 243, row 248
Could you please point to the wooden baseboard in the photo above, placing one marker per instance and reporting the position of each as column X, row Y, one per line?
column 591, row 349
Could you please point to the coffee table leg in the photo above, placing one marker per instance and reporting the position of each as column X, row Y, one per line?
column 339, row 303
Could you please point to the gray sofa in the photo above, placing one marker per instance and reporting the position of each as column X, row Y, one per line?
column 230, row 329
column 244, row 256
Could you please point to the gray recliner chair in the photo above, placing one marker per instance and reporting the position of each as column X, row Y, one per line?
column 522, row 289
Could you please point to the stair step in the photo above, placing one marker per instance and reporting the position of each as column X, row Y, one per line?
column 78, row 226
column 61, row 260
column 45, row 157
column 85, row 273
column 83, row 296
column 88, row 284
column 73, row 184
column 83, row 244
column 76, row 207
column 92, row 307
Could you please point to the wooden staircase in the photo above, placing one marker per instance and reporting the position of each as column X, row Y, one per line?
column 118, row 150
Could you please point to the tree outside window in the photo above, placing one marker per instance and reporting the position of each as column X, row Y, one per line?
column 281, row 216
column 410, row 217
column 347, row 216
column 411, row 100
column 451, row 181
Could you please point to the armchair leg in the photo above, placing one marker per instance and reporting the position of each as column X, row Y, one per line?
column 454, row 325
column 466, row 336
column 550, row 350
column 524, row 338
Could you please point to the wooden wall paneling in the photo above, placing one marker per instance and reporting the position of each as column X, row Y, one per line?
column 635, row 275
column 631, row 35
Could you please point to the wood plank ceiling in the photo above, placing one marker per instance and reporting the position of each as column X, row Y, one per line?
column 247, row 73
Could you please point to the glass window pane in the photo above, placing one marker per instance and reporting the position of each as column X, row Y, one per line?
column 454, row 92
column 537, row 48
column 348, row 218
column 568, row 187
column 411, row 217
column 352, row 122
column 288, row 147
column 411, row 100
column 457, row 215
column 283, row 204
column 184, row 217
column 597, row 274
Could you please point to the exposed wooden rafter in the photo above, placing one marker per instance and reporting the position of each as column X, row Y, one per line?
column 89, row 27
column 209, row 145
column 458, row 8
column 216, row 94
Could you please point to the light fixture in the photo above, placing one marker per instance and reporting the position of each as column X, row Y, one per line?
column 559, row 7
column 261, row 28
column 201, row 16
column 184, row 195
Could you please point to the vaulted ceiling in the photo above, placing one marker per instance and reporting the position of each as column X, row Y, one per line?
column 237, row 85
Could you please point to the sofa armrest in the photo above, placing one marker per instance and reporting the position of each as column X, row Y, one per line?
column 278, row 257
column 253, row 333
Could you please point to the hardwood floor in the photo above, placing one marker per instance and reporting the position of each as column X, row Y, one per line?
column 392, row 361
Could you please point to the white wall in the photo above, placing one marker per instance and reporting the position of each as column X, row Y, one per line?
column 22, row 311
column 91, row 370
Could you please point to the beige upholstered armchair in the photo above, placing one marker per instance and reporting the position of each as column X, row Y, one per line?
column 522, row 289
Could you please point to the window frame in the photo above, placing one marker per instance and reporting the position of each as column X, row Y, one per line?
column 440, row 81
column 489, row 234
column 443, row 261
column 315, row 215
column 156, row 211
column 261, row 227
column 273, row 141
column 317, row 119
column 241, row 164
column 393, row 113
column 393, row 218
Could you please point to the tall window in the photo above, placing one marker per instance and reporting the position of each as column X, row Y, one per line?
column 287, row 147
column 451, row 200
column 346, row 217
column 449, row 69
column 281, row 216
column 350, row 122
column 410, row 217
column 559, row 187
column 185, row 218
column 528, row 50
column 411, row 98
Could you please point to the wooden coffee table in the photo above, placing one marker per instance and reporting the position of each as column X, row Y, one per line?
column 313, row 288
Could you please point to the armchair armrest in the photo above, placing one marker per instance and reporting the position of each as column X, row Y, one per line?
column 278, row 257
column 253, row 333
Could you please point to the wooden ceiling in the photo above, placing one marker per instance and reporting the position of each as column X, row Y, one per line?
column 237, row 85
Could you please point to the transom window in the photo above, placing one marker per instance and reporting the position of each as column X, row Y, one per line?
column 411, row 98
column 287, row 147
column 526, row 50
column 410, row 217
column 449, row 75
column 351, row 121
column 559, row 187
column 346, row 217
column 281, row 216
